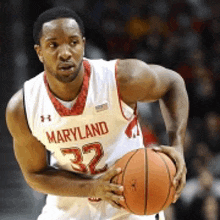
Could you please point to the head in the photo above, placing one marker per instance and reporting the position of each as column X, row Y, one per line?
column 206, row 179
column 210, row 208
column 59, row 42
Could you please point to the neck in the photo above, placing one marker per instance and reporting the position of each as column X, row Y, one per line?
column 66, row 91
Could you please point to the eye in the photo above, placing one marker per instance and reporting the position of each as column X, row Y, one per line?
column 53, row 45
column 74, row 42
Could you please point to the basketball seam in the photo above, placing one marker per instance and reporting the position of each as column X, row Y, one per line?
column 146, row 183
column 168, row 171
column 124, row 175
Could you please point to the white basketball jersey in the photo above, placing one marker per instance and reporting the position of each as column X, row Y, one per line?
column 88, row 138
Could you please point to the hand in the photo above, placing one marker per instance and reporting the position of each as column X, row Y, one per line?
column 179, row 181
column 110, row 192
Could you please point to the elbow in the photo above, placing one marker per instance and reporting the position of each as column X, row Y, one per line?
column 34, row 182
column 179, row 86
column 178, row 80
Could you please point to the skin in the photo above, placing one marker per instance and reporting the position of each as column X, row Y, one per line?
column 62, row 43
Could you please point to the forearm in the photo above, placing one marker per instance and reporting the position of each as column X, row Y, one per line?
column 61, row 182
column 175, row 107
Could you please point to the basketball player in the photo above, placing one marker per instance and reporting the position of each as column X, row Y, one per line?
column 84, row 113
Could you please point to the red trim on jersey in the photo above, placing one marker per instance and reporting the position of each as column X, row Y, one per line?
column 131, row 125
column 118, row 90
column 79, row 105
column 134, row 122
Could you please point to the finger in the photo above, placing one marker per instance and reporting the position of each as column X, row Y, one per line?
column 114, row 199
column 176, row 197
column 114, row 188
column 162, row 148
column 166, row 150
column 157, row 148
column 118, row 200
column 112, row 172
column 180, row 177
column 179, row 173
column 178, row 162
column 180, row 167
column 115, row 205
column 182, row 184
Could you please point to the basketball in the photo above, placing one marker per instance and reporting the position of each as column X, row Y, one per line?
column 147, row 179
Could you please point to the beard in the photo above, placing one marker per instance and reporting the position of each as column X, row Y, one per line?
column 66, row 78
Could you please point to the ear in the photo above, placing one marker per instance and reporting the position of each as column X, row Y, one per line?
column 39, row 53
column 84, row 43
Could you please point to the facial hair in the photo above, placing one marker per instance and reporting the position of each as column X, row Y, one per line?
column 72, row 77
column 65, row 79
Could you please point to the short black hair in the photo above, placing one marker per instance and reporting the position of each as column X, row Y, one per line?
column 52, row 14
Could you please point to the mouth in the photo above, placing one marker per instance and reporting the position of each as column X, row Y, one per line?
column 66, row 67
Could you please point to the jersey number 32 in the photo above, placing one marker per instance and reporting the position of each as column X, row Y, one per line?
column 86, row 149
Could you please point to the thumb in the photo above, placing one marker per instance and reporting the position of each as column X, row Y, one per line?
column 157, row 148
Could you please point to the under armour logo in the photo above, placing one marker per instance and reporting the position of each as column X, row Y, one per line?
column 43, row 118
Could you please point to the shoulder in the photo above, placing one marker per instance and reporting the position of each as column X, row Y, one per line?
column 140, row 81
column 134, row 76
column 15, row 111
column 133, row 69
column 130, row 69
column 15, row 104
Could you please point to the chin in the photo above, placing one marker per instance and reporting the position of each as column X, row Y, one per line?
column 66, row 76
column 67, row 79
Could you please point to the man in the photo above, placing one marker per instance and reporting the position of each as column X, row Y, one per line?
column 84, row 112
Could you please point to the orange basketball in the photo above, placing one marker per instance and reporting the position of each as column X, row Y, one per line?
column 147, row 179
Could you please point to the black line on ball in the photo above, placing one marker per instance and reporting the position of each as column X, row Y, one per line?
column 168, row 171
column 146, row 182
column 123, row 174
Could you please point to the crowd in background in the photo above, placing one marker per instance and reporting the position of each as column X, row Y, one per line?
column 185, row 37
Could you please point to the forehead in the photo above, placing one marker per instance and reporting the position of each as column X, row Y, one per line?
column 61, row 26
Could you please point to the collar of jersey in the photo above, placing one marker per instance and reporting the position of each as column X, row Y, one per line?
column 79, row 105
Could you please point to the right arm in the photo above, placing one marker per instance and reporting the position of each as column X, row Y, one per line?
column 32, row 159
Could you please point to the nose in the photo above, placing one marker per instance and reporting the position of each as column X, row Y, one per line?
column 64, row 53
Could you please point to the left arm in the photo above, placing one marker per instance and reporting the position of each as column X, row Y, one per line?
column 174, row 107
column 146, row 83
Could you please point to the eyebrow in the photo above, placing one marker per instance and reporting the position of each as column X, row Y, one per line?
column 50, row 39
column 54, row 38
column 74, row 36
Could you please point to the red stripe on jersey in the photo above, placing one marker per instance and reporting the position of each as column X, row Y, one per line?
column 78, row 107
column 131, row 125
column 134, row 122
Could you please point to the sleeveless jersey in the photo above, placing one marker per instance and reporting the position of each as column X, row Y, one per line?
column 88, row 138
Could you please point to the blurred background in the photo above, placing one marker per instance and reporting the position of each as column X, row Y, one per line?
column 181, row 35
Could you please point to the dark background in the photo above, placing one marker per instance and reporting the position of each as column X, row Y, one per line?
column 181, row 35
